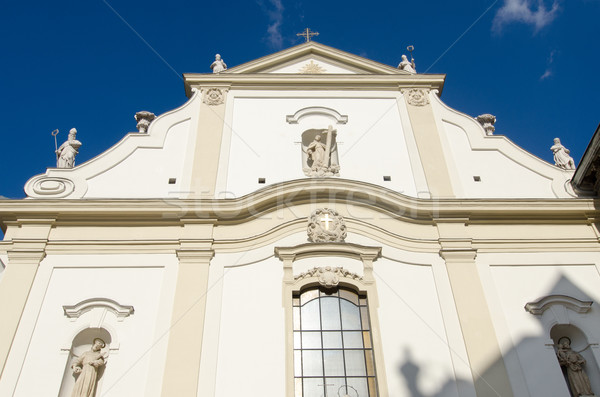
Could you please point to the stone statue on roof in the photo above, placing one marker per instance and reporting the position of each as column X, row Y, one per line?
column 406, row 65
column 218, row 65
column 562, row 156
column 65, row 154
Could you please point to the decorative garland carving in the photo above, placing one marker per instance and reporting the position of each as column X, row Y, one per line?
column 328, row 277
column 214, row 96
column 325, row 226
column 417, row 97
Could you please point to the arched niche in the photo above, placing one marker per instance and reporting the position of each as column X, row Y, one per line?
column 564, row 316
column 82, row 343
column 581, row 345
column 327, row 139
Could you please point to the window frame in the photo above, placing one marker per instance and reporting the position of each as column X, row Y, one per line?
column 365, row 285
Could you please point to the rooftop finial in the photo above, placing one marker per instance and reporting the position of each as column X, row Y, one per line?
column 307, row 34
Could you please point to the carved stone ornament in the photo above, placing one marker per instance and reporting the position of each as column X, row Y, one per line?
column 329, row 277
column 487, row 122
column 312, row 68
column 326, row 226
column 417, row 97
column 144, row 119
column 214, row 96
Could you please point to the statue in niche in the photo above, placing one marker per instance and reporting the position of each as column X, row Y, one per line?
column 218, row 65
column 320, row 159
column 65, row 154
column 562, row 158
column 87, row 366
column 406, row 65
column 579, row 382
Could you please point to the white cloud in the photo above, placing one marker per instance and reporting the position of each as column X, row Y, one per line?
column 546, row 74
column 275, row 12
column 548, row 71
column 525, row 12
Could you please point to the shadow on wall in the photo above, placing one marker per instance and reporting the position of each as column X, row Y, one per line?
column 410, row 371
column 532, row 363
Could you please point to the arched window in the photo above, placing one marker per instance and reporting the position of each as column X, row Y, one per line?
column 333, row 348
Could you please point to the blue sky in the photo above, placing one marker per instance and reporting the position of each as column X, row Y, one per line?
column 92, row 64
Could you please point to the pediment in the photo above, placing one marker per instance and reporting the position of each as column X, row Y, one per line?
column 314, row 58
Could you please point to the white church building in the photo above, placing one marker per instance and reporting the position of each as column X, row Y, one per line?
column 311, row 223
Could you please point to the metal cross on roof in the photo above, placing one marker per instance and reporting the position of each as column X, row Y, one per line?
column 307, row 34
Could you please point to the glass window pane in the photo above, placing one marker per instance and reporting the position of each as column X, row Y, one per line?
column 353, row 340
column 297, row 344
column 355, row 362
column 313, row 387
column 367, row 339
column 298, row 387
column 334, row 362
column 311, row 340
column 308, row 296
column 310, row 316
column 336, row 387
column 297, row 363
column 312, row 363
column 349, row 295
column 332, row 340
column 330, row 313
column 360, row 387
column 350, row 316
column 296, row 314
column 364, row 314
column 370, row 362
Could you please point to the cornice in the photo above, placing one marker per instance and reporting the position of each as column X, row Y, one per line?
column 285, row 81
column 302, row 191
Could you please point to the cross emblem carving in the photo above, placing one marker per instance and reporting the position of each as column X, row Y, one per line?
column 307, row 34
column 326, row 219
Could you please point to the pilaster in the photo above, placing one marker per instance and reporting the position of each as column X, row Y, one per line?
column 481, row 342
column 27, row 250
column 189, row 306
column 208, row 142
column 427, row 137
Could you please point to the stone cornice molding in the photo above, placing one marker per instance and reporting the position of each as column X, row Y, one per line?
column 381, row 200
column 121, row 311
column 367, row 82
column 541, row 305
column 313, row 250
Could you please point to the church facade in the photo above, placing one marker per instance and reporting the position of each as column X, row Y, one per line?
column 311, row 223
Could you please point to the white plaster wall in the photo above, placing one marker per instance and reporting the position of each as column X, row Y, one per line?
column 38, row 360
column 531, row 363
column 263, row 144
column 251, row 359
column 500, row 175
column 413, row 333
column 146, row 171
